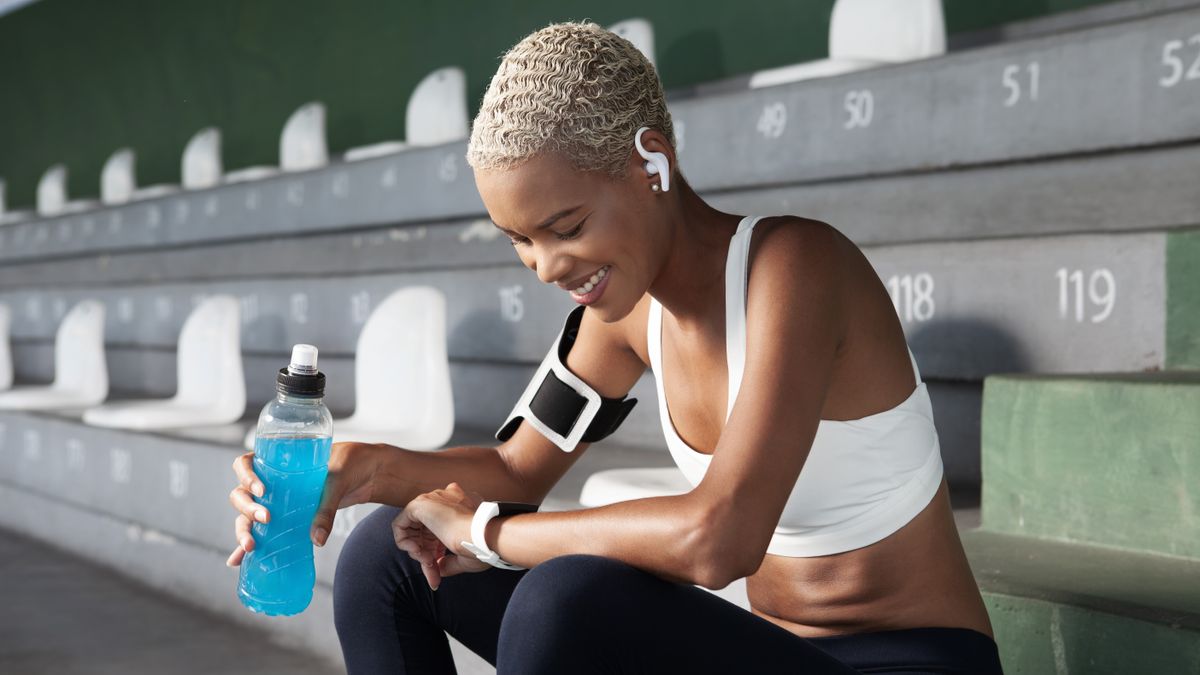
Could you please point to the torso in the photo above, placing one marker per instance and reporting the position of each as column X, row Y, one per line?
column 918, row 576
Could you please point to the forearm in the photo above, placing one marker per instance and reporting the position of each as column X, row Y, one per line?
column 661, row 535
column 404, row 474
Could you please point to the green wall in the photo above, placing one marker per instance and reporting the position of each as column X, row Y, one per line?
column 80, row 78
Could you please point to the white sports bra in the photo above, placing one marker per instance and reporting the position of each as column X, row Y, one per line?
column 863, row 479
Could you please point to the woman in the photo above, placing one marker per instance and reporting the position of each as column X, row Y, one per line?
column 853, row 565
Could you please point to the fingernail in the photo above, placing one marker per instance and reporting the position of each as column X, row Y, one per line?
column 257, row 489
column 260, row 516
column 432, row 587
column 319, row 536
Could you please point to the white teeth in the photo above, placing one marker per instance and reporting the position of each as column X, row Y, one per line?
column 592, row 283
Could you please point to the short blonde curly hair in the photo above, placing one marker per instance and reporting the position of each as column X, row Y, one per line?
column 573, row 88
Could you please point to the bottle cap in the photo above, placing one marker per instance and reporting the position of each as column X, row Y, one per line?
column 301, row 377
column 304, row 360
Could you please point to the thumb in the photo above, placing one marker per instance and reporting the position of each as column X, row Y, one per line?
column 450, row 565
column 322, row 523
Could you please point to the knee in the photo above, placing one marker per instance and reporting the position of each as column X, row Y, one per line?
column 573, row 590
column 368, row 562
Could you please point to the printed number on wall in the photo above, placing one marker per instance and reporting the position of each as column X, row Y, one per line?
column 512, row 308
column 1021, row 85
column 912, row 296
column 1175, row 56
column 1101, row 293
column 860, row 109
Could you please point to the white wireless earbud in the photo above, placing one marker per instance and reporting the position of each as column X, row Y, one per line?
column 656, row 162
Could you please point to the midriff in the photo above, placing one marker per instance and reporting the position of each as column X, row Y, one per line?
column 916, row 577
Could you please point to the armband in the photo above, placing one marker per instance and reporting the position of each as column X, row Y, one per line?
column 564, row 408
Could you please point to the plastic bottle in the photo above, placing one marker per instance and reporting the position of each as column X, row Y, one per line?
column 291, row 457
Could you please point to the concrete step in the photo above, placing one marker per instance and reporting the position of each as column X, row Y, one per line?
column 1020, row 101
column 1068, row 303
column 1059, row 607
column 1105, row 459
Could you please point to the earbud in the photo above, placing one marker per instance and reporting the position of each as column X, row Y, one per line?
column 656, row 162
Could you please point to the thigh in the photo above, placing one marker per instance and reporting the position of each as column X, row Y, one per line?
column 590, row 614
column 389, row 620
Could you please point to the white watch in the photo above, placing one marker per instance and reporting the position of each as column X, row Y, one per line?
column 483, row 514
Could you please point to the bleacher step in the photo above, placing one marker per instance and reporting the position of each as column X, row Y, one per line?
column 1102, row 459
column 1059, row 607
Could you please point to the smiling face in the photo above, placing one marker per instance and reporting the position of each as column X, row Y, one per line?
column 567, row 225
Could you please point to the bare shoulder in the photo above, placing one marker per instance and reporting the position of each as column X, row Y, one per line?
column 800, row 249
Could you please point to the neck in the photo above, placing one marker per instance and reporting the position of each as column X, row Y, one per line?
column 691, row 283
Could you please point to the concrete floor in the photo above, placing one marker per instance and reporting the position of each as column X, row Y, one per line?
column 63, row 615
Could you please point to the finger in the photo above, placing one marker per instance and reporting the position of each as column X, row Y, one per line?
column 241, row 530
column 417, row 551
column 449, row 565
column 331, row 496
column 433, row 575
column 236, row 557
column 242, row 501
column 243, row 466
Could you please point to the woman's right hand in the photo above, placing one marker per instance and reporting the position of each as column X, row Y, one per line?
column 350, row 481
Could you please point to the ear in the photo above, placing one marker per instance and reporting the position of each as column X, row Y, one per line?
column 653, row 141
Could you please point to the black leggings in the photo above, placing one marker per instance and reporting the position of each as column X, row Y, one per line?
column 589, row 614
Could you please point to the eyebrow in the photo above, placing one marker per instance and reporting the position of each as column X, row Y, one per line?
column 549, row 221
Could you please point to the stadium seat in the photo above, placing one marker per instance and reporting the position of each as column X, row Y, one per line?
column 619, row 485
column 401, row 375
column 7, row 216
column 638, row 31
column 118, row 180
column 211, row 386
column 6, row 368
column 52, row 194
column 436, row 114
column 202, row 160
column 301, row 145
column 80, row 371
column 869, row 33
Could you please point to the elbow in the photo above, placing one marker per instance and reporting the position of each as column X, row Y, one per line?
column 718, row 556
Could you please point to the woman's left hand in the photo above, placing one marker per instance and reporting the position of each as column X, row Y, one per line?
column 431, row 528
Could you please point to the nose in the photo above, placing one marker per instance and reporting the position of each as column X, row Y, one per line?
column 551, row 266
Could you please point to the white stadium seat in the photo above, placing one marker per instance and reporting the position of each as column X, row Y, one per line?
column 620, row 485
column 869, row 33
column 211, row 385
column 118, row 180
column 6, row 367
column 401, row 375
column 80, row 371
column 52, row 194
column 202, row 166
column 7, row 216
column 301, row 145
column 640, row 32
column 436, row 114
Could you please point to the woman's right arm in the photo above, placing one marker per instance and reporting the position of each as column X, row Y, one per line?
column 521, row 469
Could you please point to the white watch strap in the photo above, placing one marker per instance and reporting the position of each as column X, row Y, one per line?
column 478, row 545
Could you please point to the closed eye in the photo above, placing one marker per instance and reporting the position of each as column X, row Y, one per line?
column 562, row 237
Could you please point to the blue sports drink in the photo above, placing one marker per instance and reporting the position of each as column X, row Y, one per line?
column 291, row 457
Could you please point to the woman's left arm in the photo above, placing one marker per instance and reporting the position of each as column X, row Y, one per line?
column 720, row 530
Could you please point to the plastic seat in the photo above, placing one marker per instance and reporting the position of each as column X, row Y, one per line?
column 52, row 194
column 7, row 216
column 436, row 113
column 212, row 387
column 401, row 375
column 6, row 369
column 301, row 146
column 202, row 166
column 80, row 372
column 620, row 485
column 870, row 33
column 638, row 31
